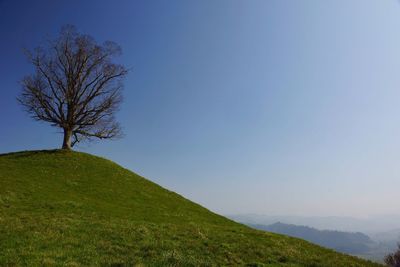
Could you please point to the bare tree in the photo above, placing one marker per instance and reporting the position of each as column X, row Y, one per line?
column 393, row 259
column 75, row 87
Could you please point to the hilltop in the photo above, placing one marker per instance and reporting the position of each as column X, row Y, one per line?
column 62, row 208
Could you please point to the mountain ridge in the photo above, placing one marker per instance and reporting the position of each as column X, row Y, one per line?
column 346, row 242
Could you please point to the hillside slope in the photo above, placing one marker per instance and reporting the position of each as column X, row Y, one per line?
column 73, row 209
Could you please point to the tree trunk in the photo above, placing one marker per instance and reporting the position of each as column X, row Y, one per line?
column 67, row 139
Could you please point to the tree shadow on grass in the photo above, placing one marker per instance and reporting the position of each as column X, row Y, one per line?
column 24, row 154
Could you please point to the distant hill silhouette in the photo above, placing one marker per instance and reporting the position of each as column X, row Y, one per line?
column 346, row 242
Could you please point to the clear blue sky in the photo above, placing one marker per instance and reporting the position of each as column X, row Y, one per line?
column 271, row 107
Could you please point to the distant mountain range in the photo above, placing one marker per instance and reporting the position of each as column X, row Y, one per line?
column 346, row 242
column 371, row 238
column 371, row 225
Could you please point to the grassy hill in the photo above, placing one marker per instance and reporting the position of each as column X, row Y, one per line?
column 73, row 209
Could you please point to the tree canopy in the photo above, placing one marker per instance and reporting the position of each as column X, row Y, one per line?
column 75, row 87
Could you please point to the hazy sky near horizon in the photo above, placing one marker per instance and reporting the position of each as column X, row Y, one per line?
column 261, row 106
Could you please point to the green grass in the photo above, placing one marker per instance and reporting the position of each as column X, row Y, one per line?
column 73, row 209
